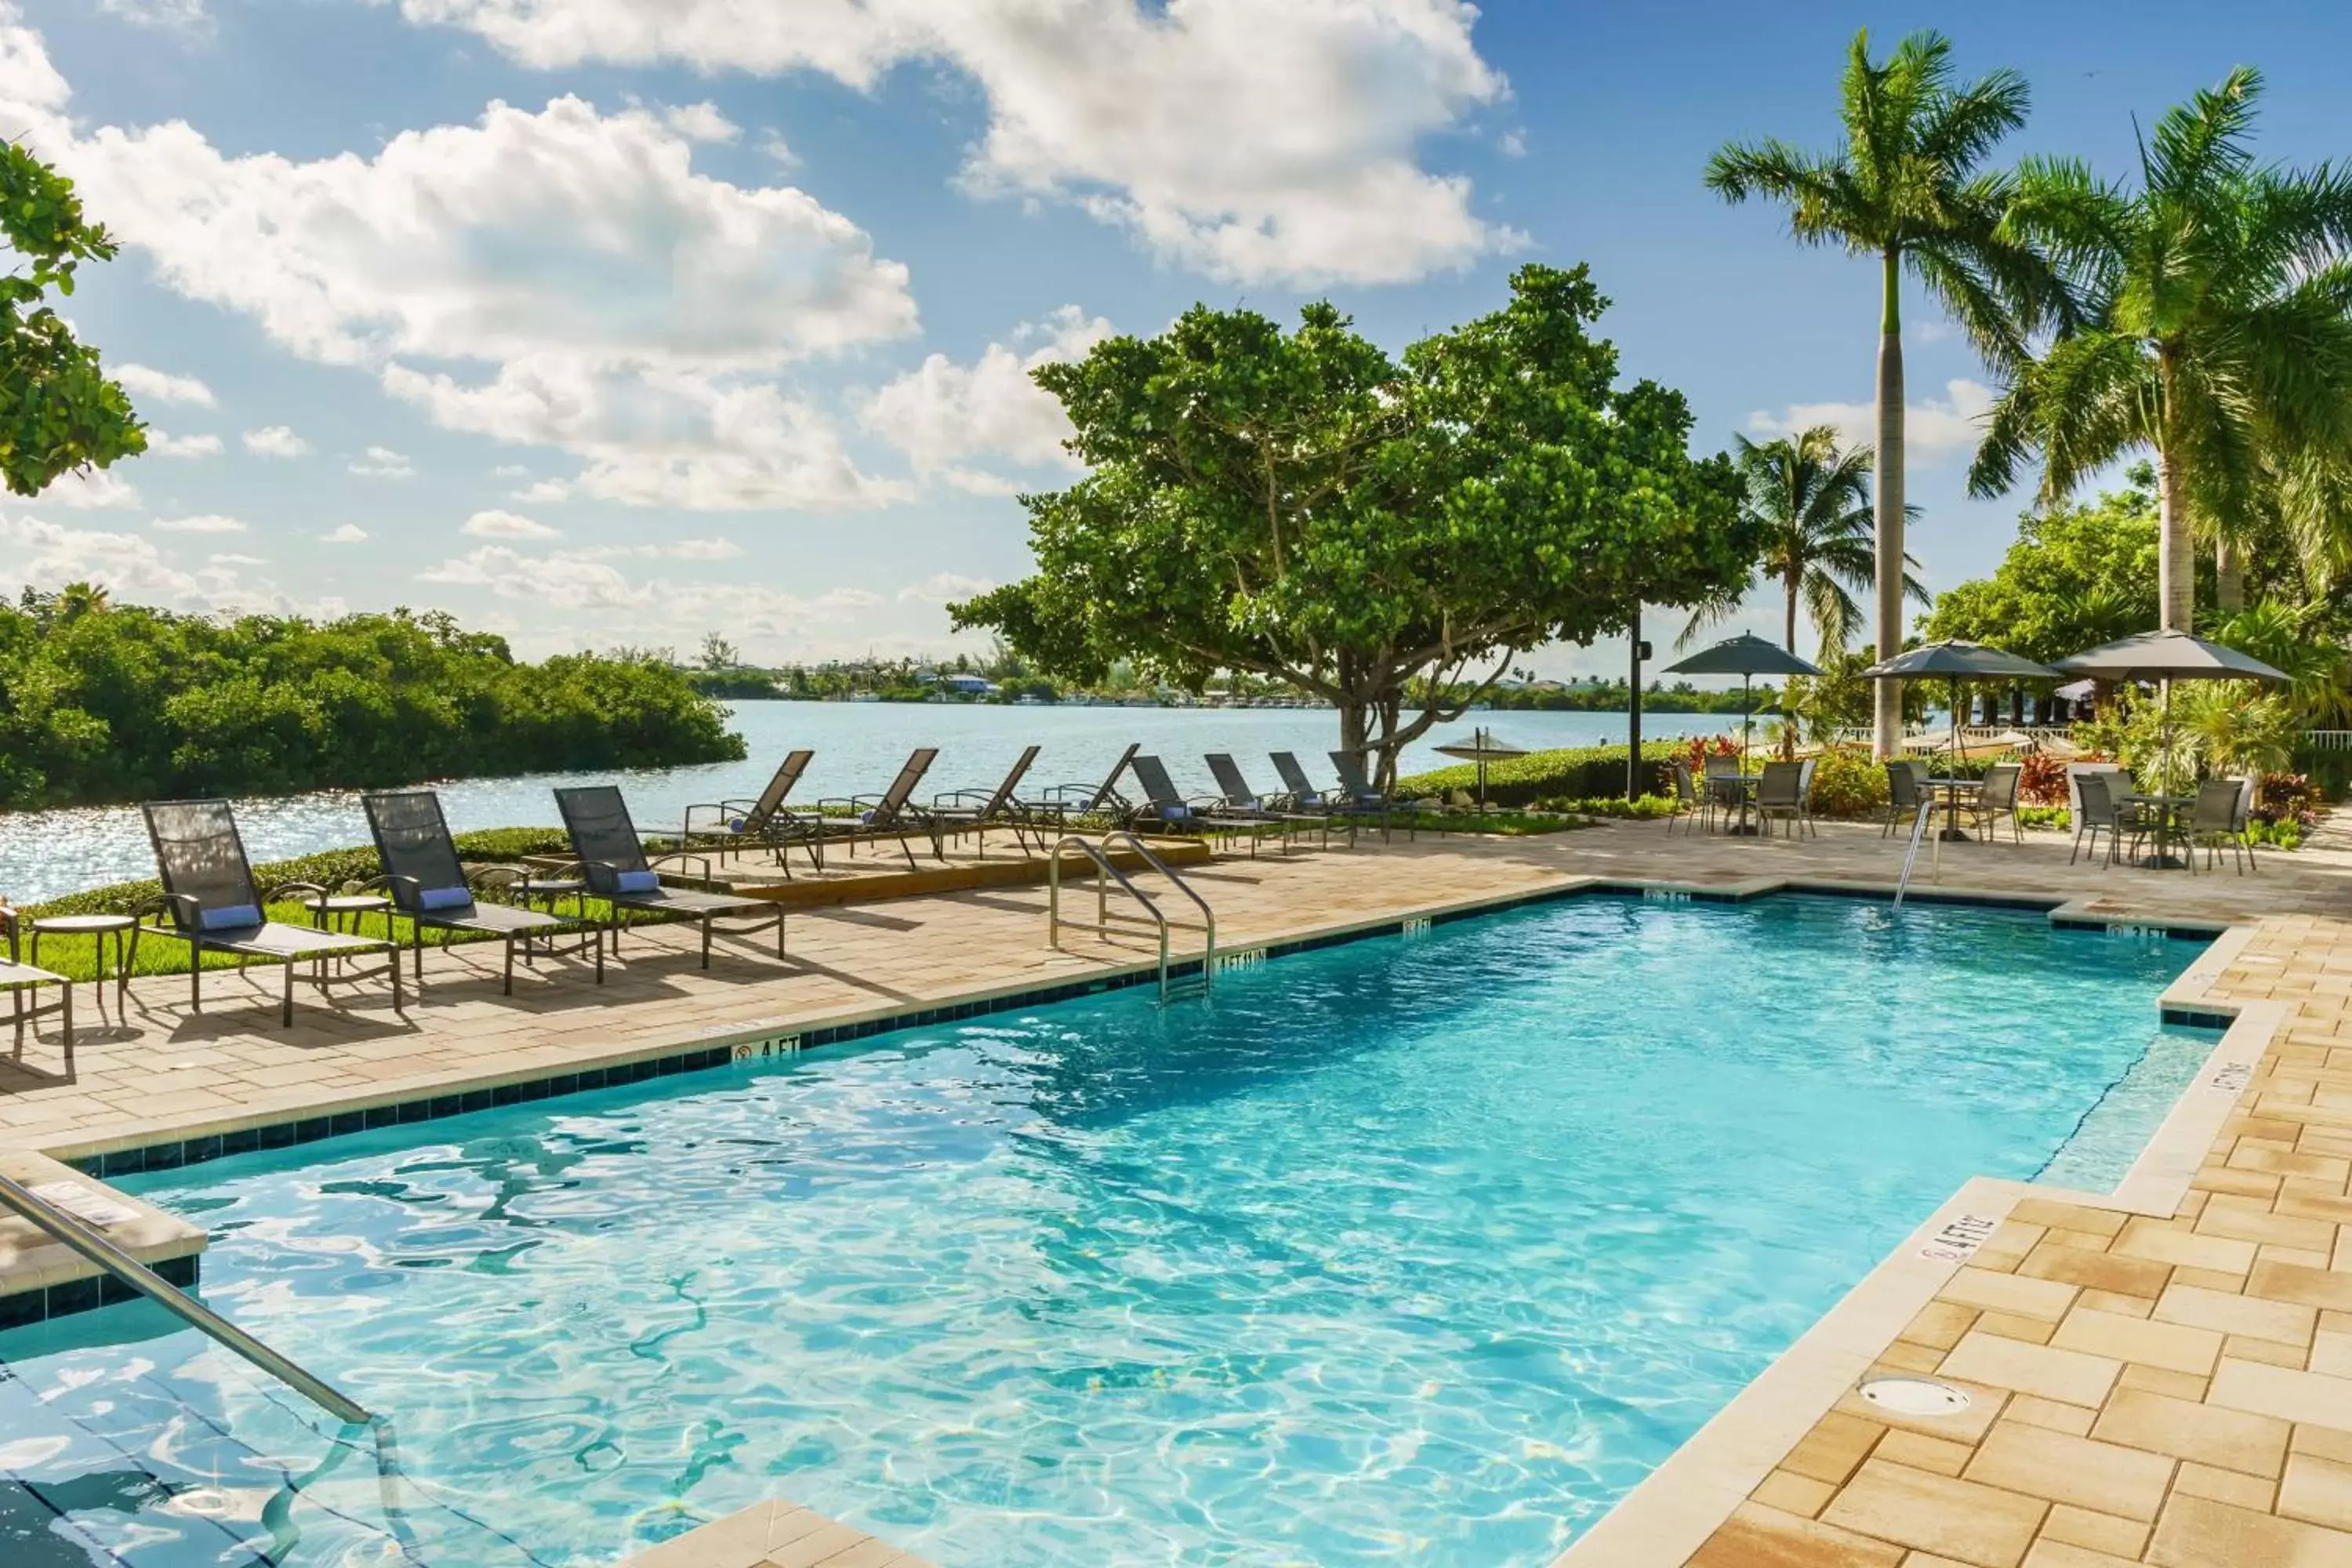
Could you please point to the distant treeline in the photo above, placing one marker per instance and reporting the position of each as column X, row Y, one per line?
column 101, row 702
column 1610, row 697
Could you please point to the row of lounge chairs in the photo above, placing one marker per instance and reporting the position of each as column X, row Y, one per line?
column 211, row 903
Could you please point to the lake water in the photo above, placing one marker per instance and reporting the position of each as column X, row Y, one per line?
column 859, row 746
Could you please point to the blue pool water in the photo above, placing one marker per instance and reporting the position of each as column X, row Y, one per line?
column 1413, row 1251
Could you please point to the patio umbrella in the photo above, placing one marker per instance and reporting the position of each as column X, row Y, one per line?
column 1956, row 662
column 1482, row 748
column 1746, row 656
column 2164, row 657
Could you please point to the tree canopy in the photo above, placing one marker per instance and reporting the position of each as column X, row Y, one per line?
column 2077, row 576
column 57, row 410
column 1302, row 506
column 99, row 702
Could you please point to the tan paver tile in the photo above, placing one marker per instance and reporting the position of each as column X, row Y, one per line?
column 1956, row 1519
column 2197, row 1532
column 1833, row 1449
column 2096, row 1270
column 1939, row 1325
column 2288, row 1323
column 2050, row 1553
column 2071, row 1377
column 2289, row 1395
column 2073, row 1419
column 2173, row 1346
column 2093, row 1531
column 1922, row 1452
column 2041, row 1463
column 1792, row 1493
column 2293, row 1282
column 1757, row 1537
column 2265, row 1228
column 2317, row 1490
column 2160, row 1242
column 2233, row 1487
column 2185, row 1429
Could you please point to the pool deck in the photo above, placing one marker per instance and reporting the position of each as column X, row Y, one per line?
column 2163, row 1374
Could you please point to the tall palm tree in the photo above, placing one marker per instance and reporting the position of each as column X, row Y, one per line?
column 1905, row 189
column 1810, row 502
column 76, row 600
column 2212, row 324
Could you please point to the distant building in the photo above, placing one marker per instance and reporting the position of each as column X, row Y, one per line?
column 968, row 685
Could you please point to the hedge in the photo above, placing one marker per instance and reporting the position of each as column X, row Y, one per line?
column 1573, row 772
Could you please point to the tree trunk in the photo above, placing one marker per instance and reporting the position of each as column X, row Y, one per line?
column 1790, row 631
column 2176, row 560
column 2229, row 580
column 1886, row 712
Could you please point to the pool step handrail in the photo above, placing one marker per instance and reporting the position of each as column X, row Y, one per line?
column 92, row 1243
column 1110, row 922
column 1911, row 855
column 1208, row 926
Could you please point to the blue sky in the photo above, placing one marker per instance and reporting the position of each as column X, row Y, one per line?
column 617, row 320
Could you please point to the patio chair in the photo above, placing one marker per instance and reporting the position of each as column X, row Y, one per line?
column 1357, row 793
column 765, row 821
column 1062, row 801
column 612, row 860
column 1905, row 788
column 2214, row 822
column 427, row 883
column 2097, row 811
column 1692, row 805
column 209, row 903
column 19, row 979
column 1169, row 810
column 893, row 814
column 2242, row 823
column 1242, row 801
column 1779, row 793
column 1805, row 797
column 977, row 810
column 1997, row 798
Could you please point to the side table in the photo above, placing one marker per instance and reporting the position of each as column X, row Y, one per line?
column 97, row 928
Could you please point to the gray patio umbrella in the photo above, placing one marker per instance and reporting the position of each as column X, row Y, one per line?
column 2164, row 657
column 1956, row 662
column 1746, row 656
column 1482, row 748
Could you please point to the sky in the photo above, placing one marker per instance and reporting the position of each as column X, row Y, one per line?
column 607, row 323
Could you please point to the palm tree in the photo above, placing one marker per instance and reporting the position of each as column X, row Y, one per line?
column 1905, row 189
column 1810, row 503
column 76, row 600
column 2212, row 324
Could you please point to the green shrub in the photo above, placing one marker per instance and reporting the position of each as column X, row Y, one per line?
column 1580, row 773
column 1649, row 808
column 1846, row 783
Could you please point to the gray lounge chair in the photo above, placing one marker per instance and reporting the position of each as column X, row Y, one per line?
column 1242, row 801
column 612, row 861
column 765, row 823
column 209, row 901
column 427, row 883
column 892, row 814
column 1357, row 793
column 1062, row 801
column 1165, row 808
column 975, row 811
column 18, row 978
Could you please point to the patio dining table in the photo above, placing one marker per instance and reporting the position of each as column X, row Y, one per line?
column 1953, row 790
column 1741, row 788
column 2164, row 808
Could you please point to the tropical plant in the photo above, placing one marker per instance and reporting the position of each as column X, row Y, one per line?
column 1906, row 189
column 1299, row 506
column 2235, row 729
column 2212, row 325
column 2316, row 695
column 2077, row 576
column 1809, row 503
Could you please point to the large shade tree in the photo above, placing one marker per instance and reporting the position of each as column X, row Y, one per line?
column 2213, row 328
column 1808, row 500
column 1907, row 190
column 2078, row 576
column 57, row 410
column 1385, row 535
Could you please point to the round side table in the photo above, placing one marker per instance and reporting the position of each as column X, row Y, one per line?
column 332, row 914
column 97, row 928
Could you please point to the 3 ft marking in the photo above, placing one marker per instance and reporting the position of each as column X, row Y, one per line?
column 1242, row 959
column 1414, row 925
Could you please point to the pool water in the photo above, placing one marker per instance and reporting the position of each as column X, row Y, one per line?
column 1412, row 1250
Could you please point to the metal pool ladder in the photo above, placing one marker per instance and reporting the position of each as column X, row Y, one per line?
column 92, row 1243
column 1110, row 922
column 1911, row 855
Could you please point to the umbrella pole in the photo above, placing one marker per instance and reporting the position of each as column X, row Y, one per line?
column 1746, row 716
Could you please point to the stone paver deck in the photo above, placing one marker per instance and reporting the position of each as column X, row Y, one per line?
column 2172, row 1387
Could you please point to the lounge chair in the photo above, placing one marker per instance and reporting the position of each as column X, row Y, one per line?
column 1242, row 801
column 892, row 814
column 612, row 860
column 1063, row 802
column 209, row 903
column 427, row 882
column 959, row 811
column 18, row 979
column 1357, row 793
column 1299, row 794
column 1166, row 808
column 765, row 821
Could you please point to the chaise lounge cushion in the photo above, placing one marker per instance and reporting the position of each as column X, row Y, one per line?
column 228, row 917
column 458, row 898
column 635, row 882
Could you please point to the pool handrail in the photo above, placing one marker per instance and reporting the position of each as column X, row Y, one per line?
column 93, row 1244
column 1911, row 855
column 1208, row 926
column 1106, row 923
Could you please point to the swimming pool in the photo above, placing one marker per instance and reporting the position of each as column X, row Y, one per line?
column 1415, row 1250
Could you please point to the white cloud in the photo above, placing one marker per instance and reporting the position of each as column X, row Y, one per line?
column 701, row 123
column 1256, row 142
column 91, row 489
column 207, row 522
column 186, row 15
column 140, row 381
column 235, row 561
column 676, row 549
column 162, row 446
column 510, row 471
column 943, row 586
column 1932, row 431
column 383, row 463
column 345, row 533
column 566, row 252
column 506, row 525
column 941, row 412
column 275, row 441
column 541, row 491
